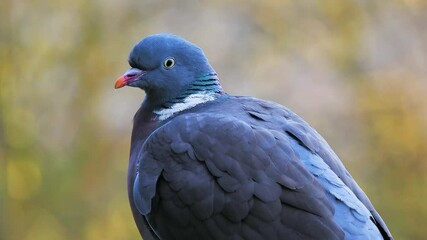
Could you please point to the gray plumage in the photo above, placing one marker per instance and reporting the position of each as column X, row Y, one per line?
column 207, row 165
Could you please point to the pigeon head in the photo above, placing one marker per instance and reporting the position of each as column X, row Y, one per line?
column 169, row 68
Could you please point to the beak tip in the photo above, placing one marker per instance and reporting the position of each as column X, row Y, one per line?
column 120, row 82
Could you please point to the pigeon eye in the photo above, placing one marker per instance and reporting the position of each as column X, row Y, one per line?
column 169, row 63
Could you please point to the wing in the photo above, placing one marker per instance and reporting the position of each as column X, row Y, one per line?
column 274, row 114
column 205, row 176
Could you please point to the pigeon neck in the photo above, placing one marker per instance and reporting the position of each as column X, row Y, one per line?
column 191, row 101
column 204, row 89
column 206, row 83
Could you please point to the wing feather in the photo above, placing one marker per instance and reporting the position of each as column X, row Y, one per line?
column 246, row 178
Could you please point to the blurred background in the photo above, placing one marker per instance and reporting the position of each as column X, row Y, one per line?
column 355, row 69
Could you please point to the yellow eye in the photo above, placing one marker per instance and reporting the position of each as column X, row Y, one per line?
column 169, row 63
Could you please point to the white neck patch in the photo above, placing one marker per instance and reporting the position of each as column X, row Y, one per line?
column 189, row 102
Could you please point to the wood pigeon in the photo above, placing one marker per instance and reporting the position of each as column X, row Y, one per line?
column 207, row 165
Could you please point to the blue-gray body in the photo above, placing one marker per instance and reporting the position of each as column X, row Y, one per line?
column 207, row 165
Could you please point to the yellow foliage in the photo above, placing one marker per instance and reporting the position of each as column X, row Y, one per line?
column 23, row 179
column 357, row 66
